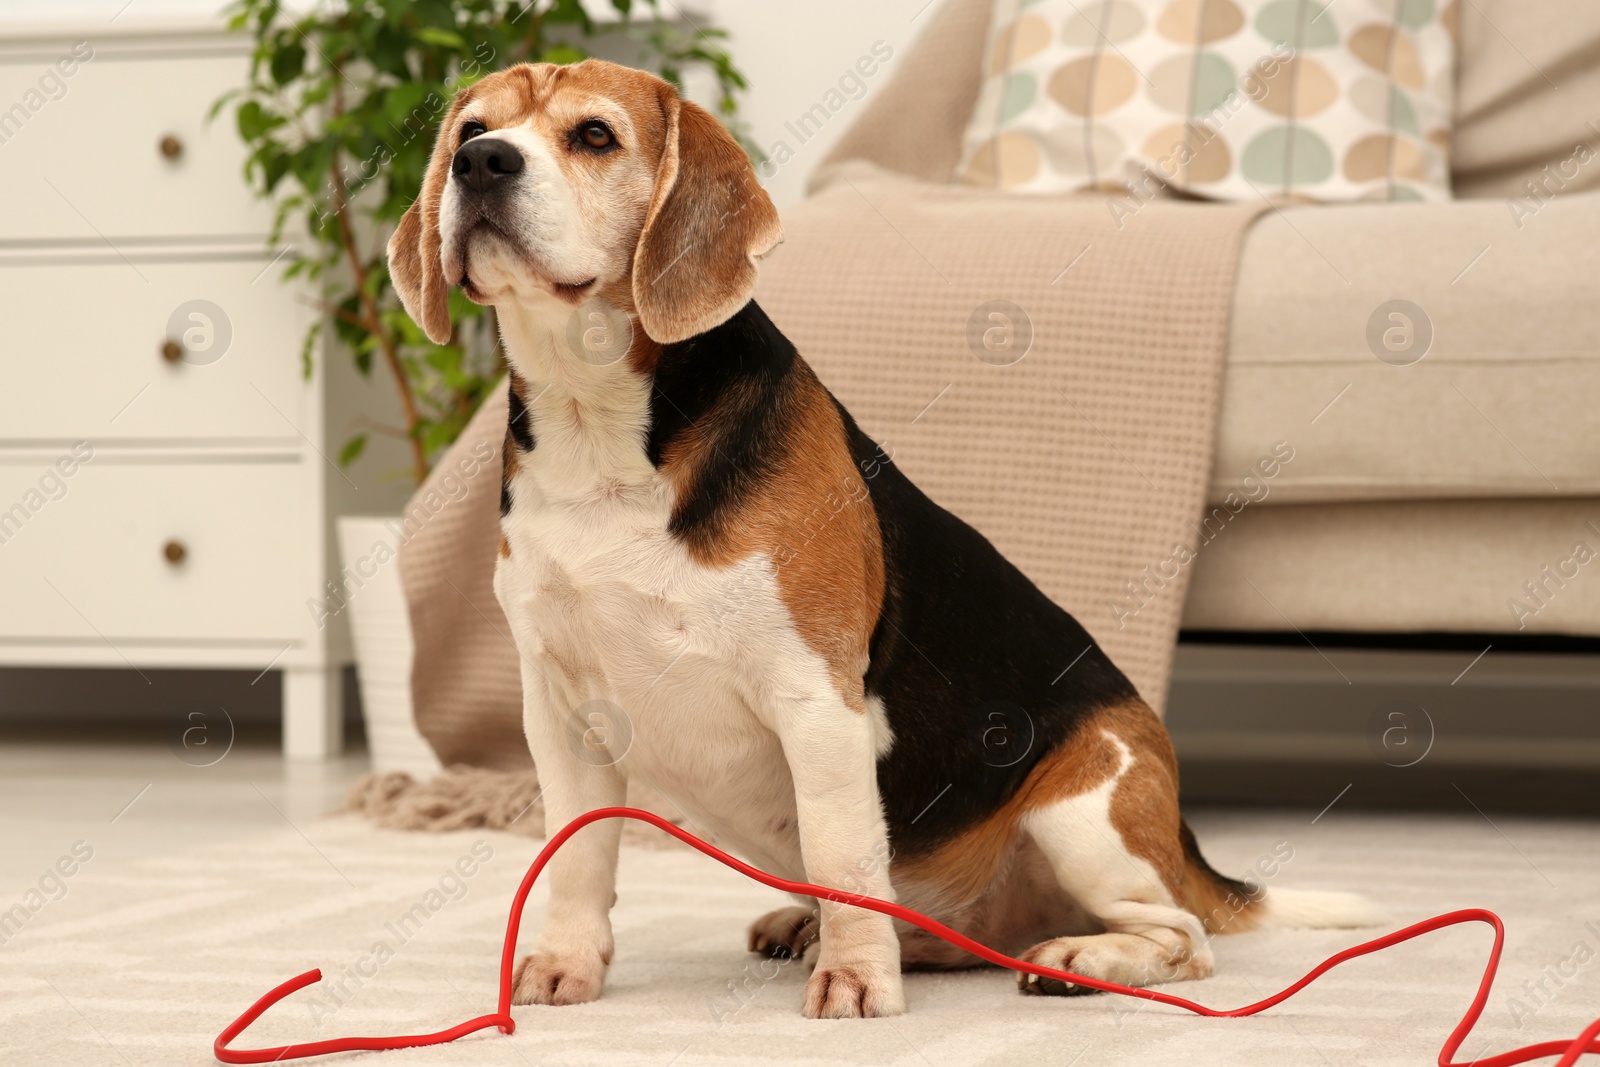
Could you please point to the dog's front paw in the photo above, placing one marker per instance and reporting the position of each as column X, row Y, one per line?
column 543, row 978
column 854, row 991
column 786, row 933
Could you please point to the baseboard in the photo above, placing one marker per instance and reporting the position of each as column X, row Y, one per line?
column 1270, row 723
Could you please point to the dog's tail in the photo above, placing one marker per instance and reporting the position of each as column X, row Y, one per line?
column 1228, row 906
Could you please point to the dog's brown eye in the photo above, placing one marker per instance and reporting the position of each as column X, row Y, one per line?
column 469, row 130
column 596, row 135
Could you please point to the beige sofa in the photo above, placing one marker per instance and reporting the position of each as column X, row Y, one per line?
column 1423, row 497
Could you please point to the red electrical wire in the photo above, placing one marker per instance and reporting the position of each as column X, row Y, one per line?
column 1569, row 1051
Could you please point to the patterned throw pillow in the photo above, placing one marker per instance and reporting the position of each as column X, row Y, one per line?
column 1225, row 99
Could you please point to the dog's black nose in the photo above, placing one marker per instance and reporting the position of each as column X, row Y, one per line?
column 482, row 162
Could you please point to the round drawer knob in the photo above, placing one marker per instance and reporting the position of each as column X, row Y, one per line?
column 171, row 351
column 175, row 552
column 171, row 147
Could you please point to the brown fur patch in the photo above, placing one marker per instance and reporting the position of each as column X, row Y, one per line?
column 1221, row 908
column 830, row 574
column 1144, row 806
column 960, row 872
column 963, row 869
column 414, row 262
column 814, row 518
column 709, row 222
column 510, row 459
column 1144, row 813
column 643, row 353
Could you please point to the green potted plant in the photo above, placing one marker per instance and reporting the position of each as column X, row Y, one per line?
column 339, row 114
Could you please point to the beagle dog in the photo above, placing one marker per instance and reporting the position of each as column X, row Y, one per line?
column 827, row 672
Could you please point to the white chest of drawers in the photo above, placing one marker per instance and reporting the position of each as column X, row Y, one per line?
column 162, row 470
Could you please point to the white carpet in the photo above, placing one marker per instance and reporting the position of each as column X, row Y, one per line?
column 144, row 963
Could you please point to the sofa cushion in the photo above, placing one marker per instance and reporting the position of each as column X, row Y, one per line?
column 1474, row 566
column 1229, row 99
column 1503, row 401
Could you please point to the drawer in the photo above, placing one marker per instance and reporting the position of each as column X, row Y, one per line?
column 84, row 350
column 90, row 162
column 100, row 538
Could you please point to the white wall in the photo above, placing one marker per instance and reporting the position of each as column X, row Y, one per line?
column 794, row 54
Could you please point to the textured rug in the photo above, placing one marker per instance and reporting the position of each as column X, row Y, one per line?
column 144, row 963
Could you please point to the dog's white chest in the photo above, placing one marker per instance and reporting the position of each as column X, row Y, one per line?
column 651, row 659
column 611, row 602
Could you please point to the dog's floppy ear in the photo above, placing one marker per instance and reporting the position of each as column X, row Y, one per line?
column 707, row 225
column 414, row 247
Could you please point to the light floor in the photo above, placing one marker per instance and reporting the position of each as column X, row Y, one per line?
column 131, row 801
column 208, row 886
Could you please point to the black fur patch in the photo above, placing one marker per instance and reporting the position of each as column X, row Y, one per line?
column 732, row 386
column 968, row 658
column 519, row 438
column 519, row 421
